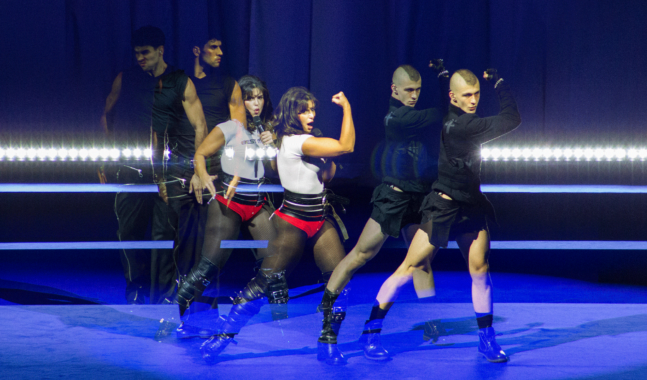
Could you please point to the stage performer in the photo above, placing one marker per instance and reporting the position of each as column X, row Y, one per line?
column 231, row 210
column 456, row 208
column 304, row 165
column 221, row 100
column 396, row 201
column 157, row 95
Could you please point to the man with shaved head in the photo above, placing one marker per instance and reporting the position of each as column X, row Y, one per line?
column 396, row 204
column 455, row 208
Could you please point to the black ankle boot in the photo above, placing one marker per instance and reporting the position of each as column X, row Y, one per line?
column 431, row 331
column 372, row 345
column 489, row 348
column 327, row 349
column 330, row 354
column 214, row 346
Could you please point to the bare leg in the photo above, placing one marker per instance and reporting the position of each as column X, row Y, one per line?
column 368, row 245
column 475, row 248
column 423, row 278
column 420, row 251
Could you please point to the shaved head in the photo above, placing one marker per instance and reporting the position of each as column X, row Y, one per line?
column 405, row 85
column 465, row 90
column 463, row 77
column 405, row 73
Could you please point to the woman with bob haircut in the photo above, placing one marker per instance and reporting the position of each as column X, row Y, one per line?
column 304, row 165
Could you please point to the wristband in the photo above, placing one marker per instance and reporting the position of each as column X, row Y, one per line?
column 444, row 73
column 497, row 82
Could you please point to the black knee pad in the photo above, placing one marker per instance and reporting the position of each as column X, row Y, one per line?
column 277, row 291
column 255, row 289
column 341, row 304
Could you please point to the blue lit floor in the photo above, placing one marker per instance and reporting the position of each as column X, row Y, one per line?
column 552, row 328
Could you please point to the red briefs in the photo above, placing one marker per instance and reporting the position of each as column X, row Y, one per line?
column 246, row 212
column 310, row 228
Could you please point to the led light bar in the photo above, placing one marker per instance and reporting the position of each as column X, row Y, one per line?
column 110, row 188
column 75, row 154
column 585, row 153
column 114, row 188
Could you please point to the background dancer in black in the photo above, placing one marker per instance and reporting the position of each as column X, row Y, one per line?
column 303, row 168
column 456, row 209
column 230, row 211
column 127, row 122
column 221, row 100
column 396, row 202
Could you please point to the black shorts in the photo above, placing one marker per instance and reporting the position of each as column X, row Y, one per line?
column 393, row 209
column 444, row 219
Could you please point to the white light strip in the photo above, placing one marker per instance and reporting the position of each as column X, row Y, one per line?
column 74, row 154
column 566, row 153
column 107, row 154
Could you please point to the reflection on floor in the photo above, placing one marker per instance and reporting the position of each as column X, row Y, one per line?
column 551, row 328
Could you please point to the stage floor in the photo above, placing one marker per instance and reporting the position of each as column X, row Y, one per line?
column 550, row 338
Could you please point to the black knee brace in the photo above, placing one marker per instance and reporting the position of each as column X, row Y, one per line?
column 277, row 290
column 333, row 316
column 247, row 303
column 195, row 283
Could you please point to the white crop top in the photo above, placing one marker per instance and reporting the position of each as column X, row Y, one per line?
column 299, row 173
column 238, row 138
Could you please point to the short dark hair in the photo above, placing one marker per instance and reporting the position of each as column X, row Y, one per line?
column 286, row 116
column 148, row 36
column 200, row 42
column 247, row 85
column 411, row 71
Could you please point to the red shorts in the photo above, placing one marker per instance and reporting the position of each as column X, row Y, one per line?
column 246, row 212
column 310, row 228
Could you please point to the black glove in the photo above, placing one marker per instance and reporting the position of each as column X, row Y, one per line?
column 492, row 76
column 439, row 67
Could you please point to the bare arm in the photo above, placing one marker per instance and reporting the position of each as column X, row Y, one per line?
column 327, row 147
column 211, row 144
column 111, row 101
column 237, row 106
column 194, row 113
column 328, row 172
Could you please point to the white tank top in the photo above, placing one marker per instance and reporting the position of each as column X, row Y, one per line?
column 299, row 173
column 238, row 138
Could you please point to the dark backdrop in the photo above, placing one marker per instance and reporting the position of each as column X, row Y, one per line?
column 577, row 67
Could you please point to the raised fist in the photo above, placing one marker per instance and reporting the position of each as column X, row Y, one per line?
column 438, row 66
column 491, row 75
column 340, row 99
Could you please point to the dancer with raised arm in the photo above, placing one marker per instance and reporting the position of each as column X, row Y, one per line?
column 455, row 209
column 230, row 211
column 304, row 166
column 396, row 201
